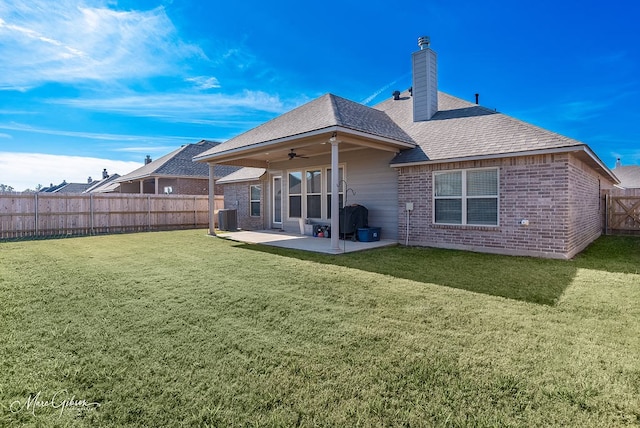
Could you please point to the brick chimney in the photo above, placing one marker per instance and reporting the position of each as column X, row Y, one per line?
column 425, row 81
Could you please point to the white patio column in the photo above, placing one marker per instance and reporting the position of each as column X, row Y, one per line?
column 335, row 196
column 156, row 184
column 212, row 200
column 142, row 186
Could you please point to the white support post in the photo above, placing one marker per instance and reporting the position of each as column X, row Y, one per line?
column 335, row 196
column 156, row 185
column 212, row 200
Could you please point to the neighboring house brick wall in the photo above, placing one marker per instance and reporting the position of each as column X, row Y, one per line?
column 190, row 186
column 180, row 186
column 236, row 197
column 536, row 188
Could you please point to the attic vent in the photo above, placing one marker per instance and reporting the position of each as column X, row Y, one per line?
column 396, row 95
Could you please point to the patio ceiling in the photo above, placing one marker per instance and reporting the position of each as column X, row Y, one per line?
column 308, row 145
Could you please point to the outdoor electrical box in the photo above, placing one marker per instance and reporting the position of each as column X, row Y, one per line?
column 409, row 206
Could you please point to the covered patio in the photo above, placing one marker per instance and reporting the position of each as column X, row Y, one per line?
column 318, row 158
column 302, row 242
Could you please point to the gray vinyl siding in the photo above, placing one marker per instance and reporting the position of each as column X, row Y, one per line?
column 368, row 174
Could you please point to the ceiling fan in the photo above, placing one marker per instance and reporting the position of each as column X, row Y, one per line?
column 292, row 154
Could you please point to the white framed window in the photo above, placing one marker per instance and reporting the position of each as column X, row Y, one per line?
column 314, row 193
column 466, row 197
column 295, row 194
column 330, row 189
column 255, row 196
column 309, row 193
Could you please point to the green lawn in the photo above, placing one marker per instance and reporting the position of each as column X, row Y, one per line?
column 180, row 329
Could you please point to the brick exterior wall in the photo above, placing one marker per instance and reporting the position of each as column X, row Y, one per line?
column 557, row 193
column 586, row 205
column 185, row 186
column 180, row 186
column 236, row 197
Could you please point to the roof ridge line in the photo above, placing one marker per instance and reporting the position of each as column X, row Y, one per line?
column 334, row 108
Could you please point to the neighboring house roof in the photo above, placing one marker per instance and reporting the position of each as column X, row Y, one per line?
column 103, row 186
column 65, row 187
column 179, row 163
column 53, row 188
column 324, row 112
column 242, row 175
column 73, row 188
column 629, row 176
column 461, row 129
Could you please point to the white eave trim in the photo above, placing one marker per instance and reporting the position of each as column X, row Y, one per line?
column 581, row 148
column 223, row 154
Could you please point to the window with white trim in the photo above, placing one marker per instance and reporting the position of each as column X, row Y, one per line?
column 295, row 194
column 466, row 197
column 255, row 194
column 330, row 189
column 314, row 193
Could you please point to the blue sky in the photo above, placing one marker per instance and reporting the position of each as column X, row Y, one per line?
column 87, row 85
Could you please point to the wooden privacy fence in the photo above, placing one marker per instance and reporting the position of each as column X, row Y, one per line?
column 623, row 212
column 25, row 215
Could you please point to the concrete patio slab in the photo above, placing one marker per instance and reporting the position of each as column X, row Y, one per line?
column 301, row 242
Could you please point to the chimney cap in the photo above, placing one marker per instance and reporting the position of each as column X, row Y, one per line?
column 424, row 42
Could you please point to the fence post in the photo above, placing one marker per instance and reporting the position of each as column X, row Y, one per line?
column 91, row 212
column 36, row 215
column 195, row 212
column 148, row 213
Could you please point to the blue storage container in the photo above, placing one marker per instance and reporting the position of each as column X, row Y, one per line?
column 369, row 234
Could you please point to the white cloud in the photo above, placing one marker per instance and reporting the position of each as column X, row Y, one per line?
column 13, row 126
column 71, row 41
column 26, row 170
column 203, row 82
column 186, row 106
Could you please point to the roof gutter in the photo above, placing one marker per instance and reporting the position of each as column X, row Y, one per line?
column 310, row 134
column 581, row 148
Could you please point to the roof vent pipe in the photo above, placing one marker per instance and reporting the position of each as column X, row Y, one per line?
column 396, row 95
column 477, row 98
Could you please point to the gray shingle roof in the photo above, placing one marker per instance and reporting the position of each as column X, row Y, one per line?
column 179, row 163
column 243, row 174
column 324, row 112
column 461, row 129
column 629, row 176
column 73, row 188
column 103, row 185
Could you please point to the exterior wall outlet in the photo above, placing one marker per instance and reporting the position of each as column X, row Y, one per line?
column 409, row 206
column 524, row 222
